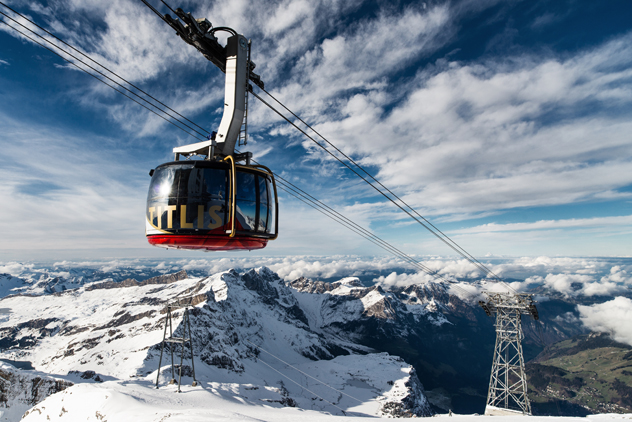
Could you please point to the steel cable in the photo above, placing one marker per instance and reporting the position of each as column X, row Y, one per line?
column 291, row 189
column 97, row 71
column 440, row 235
column 95, row 77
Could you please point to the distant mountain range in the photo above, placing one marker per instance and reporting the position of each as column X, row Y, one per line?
column 109, row 325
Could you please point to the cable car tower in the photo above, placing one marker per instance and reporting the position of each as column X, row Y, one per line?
column 507, row 394
column 222, row 201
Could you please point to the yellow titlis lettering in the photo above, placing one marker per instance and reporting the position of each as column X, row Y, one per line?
column 216, row 220
column 183, row 218
column 151, row 214
column 158, row 217
column 170, row 210
column 200, row 219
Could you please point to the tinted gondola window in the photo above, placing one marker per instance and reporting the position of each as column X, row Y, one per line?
column 162, row 183
column 246, row 201
column 271, row 207
column 215, row 196
column 187, row 198
column 264, row 200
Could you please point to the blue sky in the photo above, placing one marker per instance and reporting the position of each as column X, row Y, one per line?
column 506, row 123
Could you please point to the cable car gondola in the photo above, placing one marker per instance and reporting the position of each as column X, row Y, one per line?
column 221, row 202
column 211, row 205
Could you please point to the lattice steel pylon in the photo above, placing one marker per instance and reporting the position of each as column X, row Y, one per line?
column 185, row 304
column 507, row 392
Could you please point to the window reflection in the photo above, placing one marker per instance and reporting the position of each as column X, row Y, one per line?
column 186, row 198
column 263, row 204
column 182, row 197
column 246, row 201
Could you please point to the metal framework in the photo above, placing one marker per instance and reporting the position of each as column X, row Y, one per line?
column 243, row 133
column 507, row 392
column 181, row 303
column 234, row 60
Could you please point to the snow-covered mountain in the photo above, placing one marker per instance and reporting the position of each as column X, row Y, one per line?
column 254, row 337
column 98, row 322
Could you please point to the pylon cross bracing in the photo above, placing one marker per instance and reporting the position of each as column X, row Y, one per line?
column 185, row 304
column 507, row 392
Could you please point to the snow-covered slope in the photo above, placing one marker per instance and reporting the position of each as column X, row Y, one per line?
column 123, row 402
column 252, row 341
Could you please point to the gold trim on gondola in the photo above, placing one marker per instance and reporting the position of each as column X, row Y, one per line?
column 233, row 186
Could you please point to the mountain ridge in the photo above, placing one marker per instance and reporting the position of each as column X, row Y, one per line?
column 115, row 331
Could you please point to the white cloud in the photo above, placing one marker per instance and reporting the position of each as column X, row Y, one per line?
column 15, row 268
column 567, row 318
column 617, row 275
column 361, row 56
column 64, row 195
column 563, row 283
column 473, row 137
column 610, row 317
column 575, row 223
column 568, row 276
column 4, row 62
column 603, row 289
column 404, row 279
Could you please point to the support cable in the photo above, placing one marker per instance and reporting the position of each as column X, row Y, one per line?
column 153, row 9
column 99, row 64
column 302, row 386
column 169, row 7
column 293, row 190
column 440, row 235
column 95, row 77
column 96, row 70
column 297, row 370
column 307, row 375
column 344, row 221
column 336, row 216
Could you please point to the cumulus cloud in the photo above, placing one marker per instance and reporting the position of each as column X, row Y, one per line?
column 610, row 317
column 459, row 113
column 15, row 268
column 617, row 275
column 567, row 318
column 404, row 279
column 570, row 277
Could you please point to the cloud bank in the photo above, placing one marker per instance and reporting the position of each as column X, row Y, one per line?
column 610, row 317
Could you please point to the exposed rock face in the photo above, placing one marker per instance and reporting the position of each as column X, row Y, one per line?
column 424, row 324
column 414, row 403
column 20, row 390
